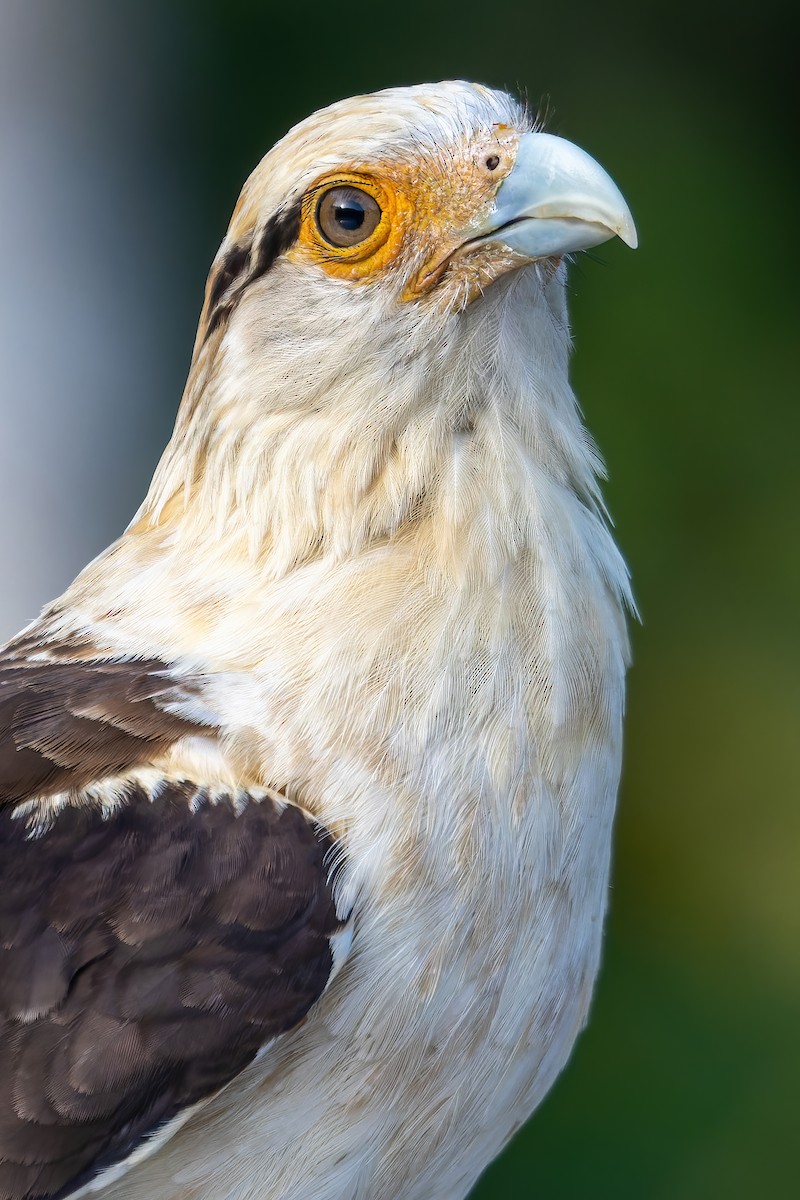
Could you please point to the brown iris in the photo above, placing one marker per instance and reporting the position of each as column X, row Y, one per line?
column 346, row 215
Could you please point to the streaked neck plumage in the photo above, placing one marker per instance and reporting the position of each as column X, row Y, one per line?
column 324, row 430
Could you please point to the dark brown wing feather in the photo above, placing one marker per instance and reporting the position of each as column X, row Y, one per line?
column 146, row 955
column 144, row 959
column 73, row 717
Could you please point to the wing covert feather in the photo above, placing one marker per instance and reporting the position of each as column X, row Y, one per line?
column 148, row 948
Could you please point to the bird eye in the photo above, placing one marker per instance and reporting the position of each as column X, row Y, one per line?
column 347, row 216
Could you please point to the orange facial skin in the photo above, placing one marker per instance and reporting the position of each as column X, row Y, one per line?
column 424, row 236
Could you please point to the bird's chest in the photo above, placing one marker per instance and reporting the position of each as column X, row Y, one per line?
column 386, row 693
column 469, row 774
column 423, row 727
column 460, row 738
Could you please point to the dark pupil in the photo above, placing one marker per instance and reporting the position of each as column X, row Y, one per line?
column 349, row 215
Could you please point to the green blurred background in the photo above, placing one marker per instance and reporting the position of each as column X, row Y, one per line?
column 685, row 1084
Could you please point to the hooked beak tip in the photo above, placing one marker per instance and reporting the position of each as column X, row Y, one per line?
column 557, row 200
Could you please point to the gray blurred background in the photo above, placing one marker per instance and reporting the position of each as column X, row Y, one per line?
column 126, row 131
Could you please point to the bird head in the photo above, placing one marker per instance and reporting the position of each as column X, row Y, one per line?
column 422, row 195
column 359, row 310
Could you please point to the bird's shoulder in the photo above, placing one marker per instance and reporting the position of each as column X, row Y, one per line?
column 155, row 932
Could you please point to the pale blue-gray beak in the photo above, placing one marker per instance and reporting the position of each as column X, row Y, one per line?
column 555, row 200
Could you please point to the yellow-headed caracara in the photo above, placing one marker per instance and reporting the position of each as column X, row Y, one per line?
column 307, row 782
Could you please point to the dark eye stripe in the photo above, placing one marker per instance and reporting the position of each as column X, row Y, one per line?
column 245, row 262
